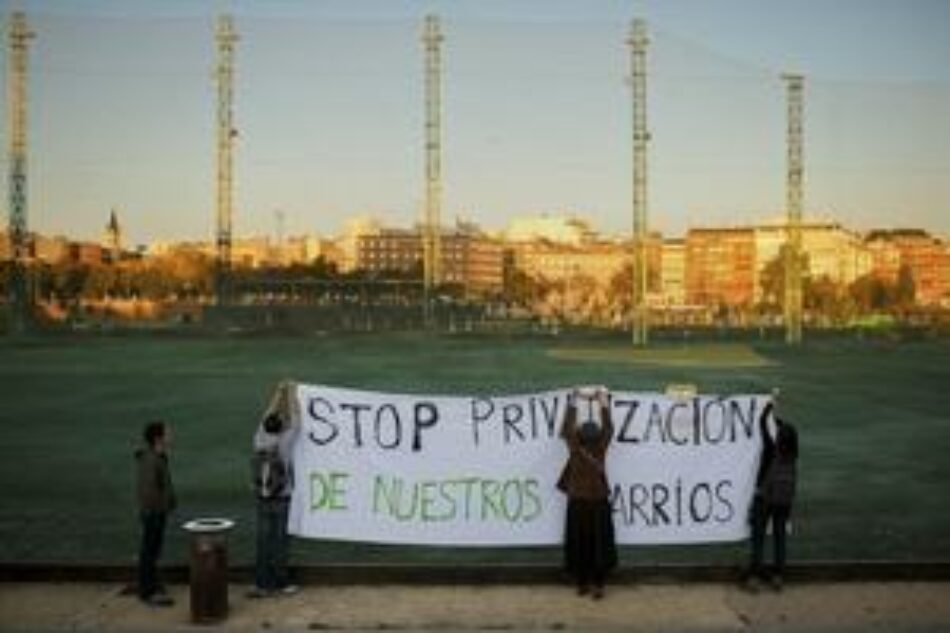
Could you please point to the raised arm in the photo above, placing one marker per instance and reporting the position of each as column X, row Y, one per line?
column 768, row 443
column 569, row 424
column 291, row 405
column 607, row 416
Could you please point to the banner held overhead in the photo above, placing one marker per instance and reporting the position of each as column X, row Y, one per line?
column 481, row 471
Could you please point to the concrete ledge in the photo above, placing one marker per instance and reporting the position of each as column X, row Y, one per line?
column 381, row 574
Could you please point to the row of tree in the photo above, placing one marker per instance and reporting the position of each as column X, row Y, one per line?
column 186, row 275
column 190, row 275
column 823, row 296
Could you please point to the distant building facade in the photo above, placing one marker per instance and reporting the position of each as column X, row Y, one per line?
column 720, row 267
column 707, row 269
column 557, row 229
column 673, row 273
column 51, row 250
column 833, row 252
column 468, row 257
column 89, row 253
column 599, row 261
column 925, row 255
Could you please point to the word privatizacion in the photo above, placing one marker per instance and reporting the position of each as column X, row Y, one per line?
column 390, row 426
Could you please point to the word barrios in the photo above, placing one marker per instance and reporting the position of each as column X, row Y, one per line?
column 661, row 504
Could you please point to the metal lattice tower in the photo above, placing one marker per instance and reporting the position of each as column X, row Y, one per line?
column 19, row 39
column 431, row 243
column 793, row 204
column 279, row 218
column 226, row 38
column 638, row 82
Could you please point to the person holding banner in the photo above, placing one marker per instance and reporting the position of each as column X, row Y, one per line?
column 774, row 495
column 590, row 549
column 273, row 485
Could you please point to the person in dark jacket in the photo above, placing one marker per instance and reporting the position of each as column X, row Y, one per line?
column 776, row 482
column 156, row 499
column 590, row 550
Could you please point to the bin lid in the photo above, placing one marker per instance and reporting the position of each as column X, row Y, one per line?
column 208, row 525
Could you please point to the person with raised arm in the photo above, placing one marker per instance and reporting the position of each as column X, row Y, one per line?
column 590, row 549
column 273, row 481
column 774, row 495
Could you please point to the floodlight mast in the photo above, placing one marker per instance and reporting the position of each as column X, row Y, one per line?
column 638, row 42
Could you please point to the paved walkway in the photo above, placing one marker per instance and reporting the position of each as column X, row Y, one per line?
column 890, row 607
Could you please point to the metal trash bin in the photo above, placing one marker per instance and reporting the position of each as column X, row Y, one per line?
column 209, row 569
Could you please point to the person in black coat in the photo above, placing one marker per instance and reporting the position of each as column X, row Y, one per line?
column 590, row 550
column 776, row 483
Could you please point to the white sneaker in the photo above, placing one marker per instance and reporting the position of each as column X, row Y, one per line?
column 289, row 590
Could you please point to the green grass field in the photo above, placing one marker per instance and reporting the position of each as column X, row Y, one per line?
column 874, row 420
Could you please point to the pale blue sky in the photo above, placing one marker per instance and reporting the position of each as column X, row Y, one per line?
column 537, row 114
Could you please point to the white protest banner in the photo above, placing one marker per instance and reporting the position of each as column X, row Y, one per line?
column 439, row 470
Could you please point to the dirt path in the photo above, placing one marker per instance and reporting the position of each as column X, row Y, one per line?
column 703, row 607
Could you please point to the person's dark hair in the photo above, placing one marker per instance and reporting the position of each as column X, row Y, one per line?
column 589, row 433
column 153, row 432
column 273, row 424
column 786, row 439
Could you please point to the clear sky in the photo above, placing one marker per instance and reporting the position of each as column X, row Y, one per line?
column 329, row 101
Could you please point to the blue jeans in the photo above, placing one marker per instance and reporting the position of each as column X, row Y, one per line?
column 270, row 572
column 153, row 534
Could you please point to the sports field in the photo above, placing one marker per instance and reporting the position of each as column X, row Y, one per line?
column 874, row 420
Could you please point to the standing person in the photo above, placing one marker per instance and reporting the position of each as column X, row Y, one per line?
column 156, row 499
column 774, row 495
column 590, row 550
column 273, row 484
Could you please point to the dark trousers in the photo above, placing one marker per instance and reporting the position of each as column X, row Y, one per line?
column 762, row 514
column 153, row 534
column 590, row 549
column 270, row 571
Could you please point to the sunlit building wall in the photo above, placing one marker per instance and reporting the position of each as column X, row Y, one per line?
column 925, row 256
column 673, row 273
column 833, row 252
column 720, row 266
column 558, row 229
column 469, row 258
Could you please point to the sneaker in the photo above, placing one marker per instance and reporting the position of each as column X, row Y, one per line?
column 777, row 583
column 257, row 593
column 752, row 584
column 158, row 600
column 289, row 590
column 598, row 593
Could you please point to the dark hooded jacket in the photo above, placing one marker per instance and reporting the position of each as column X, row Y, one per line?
column 781, row 476
column 155, row 490
column 776, row 480
column 584, row 476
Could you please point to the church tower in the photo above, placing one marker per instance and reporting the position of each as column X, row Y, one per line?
column 112, row 238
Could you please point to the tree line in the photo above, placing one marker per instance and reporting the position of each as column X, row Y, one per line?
column 189, row 276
